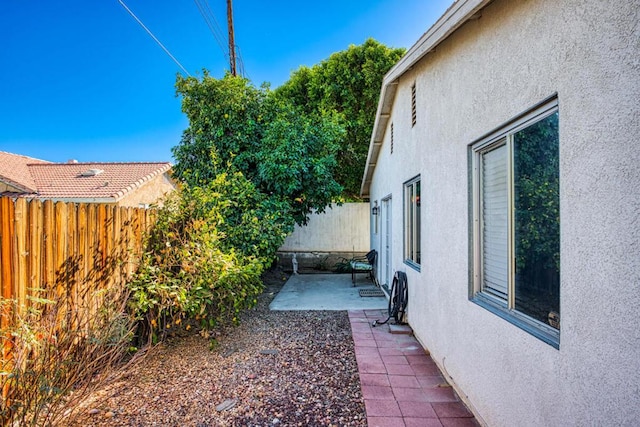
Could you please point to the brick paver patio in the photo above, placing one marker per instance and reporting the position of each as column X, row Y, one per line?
column 402, row 386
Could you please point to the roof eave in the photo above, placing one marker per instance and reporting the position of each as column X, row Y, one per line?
column 120, row 194
column 457, row 15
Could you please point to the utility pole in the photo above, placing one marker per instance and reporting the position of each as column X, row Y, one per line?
column 232, row 44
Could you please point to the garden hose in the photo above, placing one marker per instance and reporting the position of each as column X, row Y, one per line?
column 398, row 299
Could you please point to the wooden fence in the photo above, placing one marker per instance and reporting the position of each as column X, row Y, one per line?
column 73, row 248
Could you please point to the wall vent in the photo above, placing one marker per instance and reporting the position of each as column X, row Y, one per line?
column 391, row 138
column 414, row 118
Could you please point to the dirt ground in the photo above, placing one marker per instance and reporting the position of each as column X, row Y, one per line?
column 274, row 369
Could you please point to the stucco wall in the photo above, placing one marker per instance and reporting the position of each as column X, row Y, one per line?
column 149, row 193
column 341, row 231
column 492, row 69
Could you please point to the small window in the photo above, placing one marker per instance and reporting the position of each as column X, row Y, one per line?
column 516, row 222
column 414, row 118
column 412, row 222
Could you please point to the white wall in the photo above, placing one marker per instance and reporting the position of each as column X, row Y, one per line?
column 341, row 229
column 490, row 70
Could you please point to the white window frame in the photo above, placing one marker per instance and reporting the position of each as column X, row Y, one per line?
column 489, row 298
column 412, row 223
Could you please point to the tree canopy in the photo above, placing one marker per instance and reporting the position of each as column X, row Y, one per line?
column 236, row 127
column 306, row 141
column 347, row 83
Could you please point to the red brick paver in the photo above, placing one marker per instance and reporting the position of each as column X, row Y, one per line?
column 401, row 385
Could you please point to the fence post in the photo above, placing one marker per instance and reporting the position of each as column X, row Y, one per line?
column 20, row 239
column 6, row 261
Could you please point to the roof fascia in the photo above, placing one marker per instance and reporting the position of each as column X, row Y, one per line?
column 457, row 15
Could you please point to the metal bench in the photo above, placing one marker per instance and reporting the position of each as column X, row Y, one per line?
column 365, row 264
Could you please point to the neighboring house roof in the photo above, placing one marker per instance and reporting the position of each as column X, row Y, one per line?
column 14, row 171
column 457, row 15
column 96, row 182
column 89, row 182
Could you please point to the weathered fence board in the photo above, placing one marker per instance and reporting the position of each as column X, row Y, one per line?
column 73, row 249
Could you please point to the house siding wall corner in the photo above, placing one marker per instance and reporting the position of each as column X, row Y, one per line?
column 490, row 70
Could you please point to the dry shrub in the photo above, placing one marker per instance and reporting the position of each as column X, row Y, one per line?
column 57, row 350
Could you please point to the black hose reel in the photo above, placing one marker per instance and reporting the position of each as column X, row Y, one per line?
column 398, row 299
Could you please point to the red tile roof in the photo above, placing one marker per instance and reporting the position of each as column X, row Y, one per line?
column 95, row 181
column 14, row 171
column 92, row 180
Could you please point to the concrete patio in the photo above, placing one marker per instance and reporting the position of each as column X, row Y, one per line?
column 401, row 385
column 326, row 292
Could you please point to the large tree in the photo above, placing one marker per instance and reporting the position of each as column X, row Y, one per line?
column 236, row 127
column 349, row 83
column 305, row 143
column 297, row 160
column 226, row 124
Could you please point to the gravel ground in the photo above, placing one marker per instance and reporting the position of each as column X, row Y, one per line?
column 274, row 369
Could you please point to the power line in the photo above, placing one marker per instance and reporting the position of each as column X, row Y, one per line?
column 241, row 69
column 212, row 23
column 231, row 52
column 154, row 37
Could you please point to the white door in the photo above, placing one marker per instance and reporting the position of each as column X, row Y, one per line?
column 385, row 244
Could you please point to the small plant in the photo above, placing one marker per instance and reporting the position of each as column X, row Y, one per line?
column 342, row 266
column 322, row 264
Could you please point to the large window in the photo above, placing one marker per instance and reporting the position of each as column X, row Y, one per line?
column 516, row 222
column 412, row 221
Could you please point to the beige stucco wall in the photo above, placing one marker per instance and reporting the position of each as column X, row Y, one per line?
column 342, row 228
column 492, row 69
column 151, row 192
column 340, row 232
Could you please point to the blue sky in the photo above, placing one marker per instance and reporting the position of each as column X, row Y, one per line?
column 83, row 80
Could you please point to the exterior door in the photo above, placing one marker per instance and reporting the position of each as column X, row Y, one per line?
column 385, row 244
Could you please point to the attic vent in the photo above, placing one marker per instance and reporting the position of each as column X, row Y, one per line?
column 391, row 137
column 413, row 106
column 91, row 172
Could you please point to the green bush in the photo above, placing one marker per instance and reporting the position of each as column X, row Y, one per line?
column 247, row 221
column 205, row 256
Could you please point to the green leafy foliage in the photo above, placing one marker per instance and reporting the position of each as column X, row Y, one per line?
column 236, row 127
column 301, row 171
column 225, row 127
column 537, row 189
column 246, row 220
column 205, row 256
column 348, row 83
